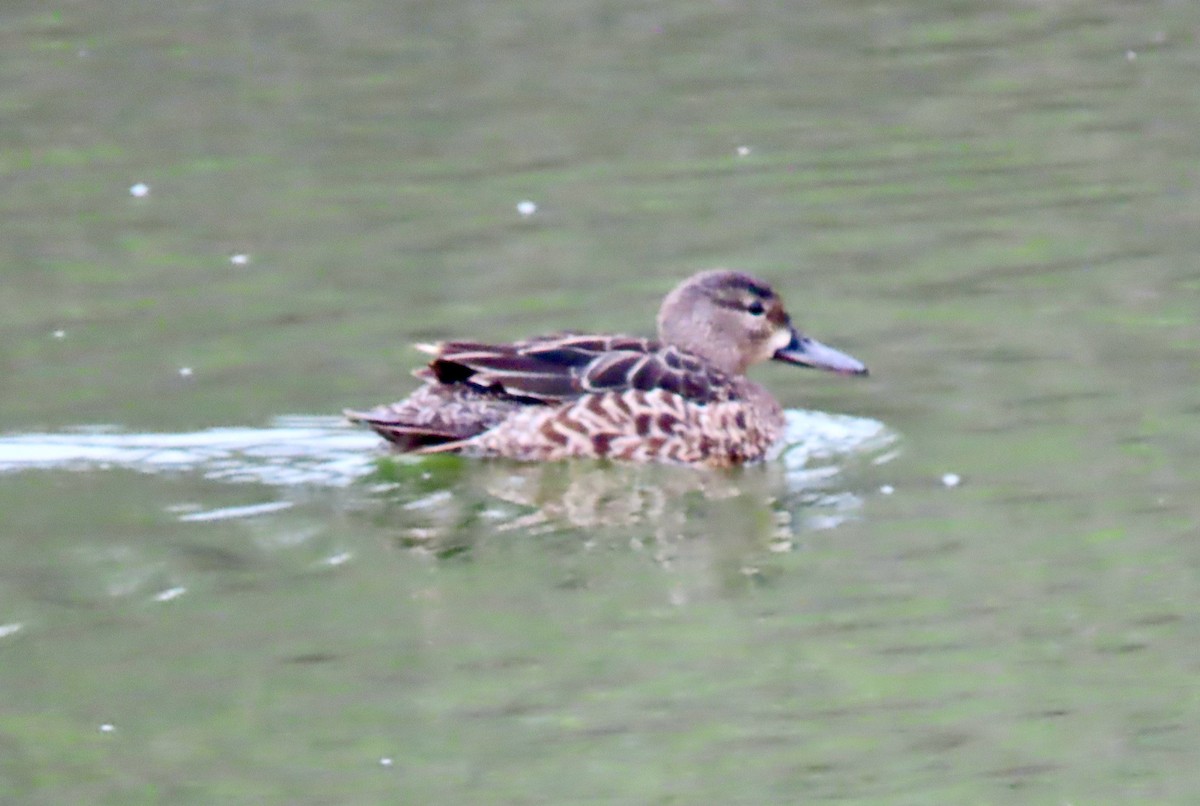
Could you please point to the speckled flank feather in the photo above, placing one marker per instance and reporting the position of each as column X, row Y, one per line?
column 681, row 398
column 634, row 426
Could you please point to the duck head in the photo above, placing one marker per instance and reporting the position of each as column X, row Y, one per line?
column 734, row 320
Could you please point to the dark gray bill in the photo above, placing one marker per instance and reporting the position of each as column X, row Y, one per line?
column 808, row 352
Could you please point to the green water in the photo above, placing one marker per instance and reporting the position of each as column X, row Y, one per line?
column 995, row 205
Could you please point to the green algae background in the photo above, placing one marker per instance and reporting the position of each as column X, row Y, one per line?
column 995, row 205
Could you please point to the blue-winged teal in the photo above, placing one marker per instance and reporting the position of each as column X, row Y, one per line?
column 682, row 398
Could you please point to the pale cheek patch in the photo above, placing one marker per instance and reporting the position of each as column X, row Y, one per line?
column 779, row 340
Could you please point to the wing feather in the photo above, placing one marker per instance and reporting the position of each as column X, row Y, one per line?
column 554, row 369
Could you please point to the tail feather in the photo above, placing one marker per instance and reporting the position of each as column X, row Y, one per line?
column 404, row 437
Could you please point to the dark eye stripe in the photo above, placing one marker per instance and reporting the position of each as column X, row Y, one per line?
column 754, row 306
column 744, row 282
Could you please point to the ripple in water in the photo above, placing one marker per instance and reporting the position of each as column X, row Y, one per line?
column 326, row 451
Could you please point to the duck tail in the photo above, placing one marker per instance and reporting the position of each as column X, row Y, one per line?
column 406, row 438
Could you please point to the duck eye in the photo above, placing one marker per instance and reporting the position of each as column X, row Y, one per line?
column 755, row 308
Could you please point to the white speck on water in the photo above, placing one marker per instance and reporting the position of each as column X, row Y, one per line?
column 526, row 208
column 139, row 190
column 60, row 334
column 239, row 259
column 170, row 593
column 887, row 489
column 107, row 727
column 743, row 151
column 1130, row 55
column 386, row 761
column 951, row 480
column 339, row 559
column 185, row 372
column 10, row 629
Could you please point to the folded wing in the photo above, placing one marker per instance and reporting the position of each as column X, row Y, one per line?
column 554, row 369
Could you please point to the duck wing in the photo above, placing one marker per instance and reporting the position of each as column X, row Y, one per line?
column 553, row 369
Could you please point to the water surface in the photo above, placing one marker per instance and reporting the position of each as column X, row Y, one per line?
column 213, row 591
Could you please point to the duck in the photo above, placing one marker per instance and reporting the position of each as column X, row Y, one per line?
column 680, row 398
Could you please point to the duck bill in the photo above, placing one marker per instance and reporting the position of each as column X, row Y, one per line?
column 806, row 352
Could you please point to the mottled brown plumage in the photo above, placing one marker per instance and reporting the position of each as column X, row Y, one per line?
column 680, row 398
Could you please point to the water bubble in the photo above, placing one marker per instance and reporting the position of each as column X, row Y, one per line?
column 139, row 190
column 951, row 480
column 887, row 489
column 743, row 151
column 185, row 372
column 239, row 259
column 526, row 208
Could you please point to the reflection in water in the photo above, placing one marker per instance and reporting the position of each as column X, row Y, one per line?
column 446, row 506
